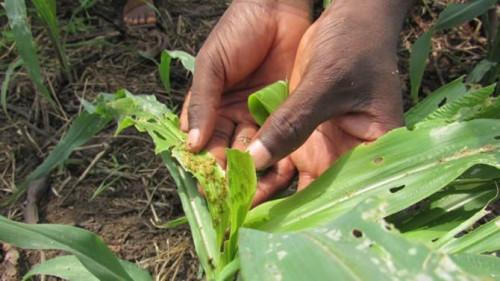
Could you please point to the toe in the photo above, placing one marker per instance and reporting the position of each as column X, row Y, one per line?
column 151, row 18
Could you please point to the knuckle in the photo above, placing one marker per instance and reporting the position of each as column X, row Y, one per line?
column 283, row 128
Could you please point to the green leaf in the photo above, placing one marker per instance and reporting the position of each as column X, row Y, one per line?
column 456, row 14
column 150, row 116
column 479, row 71
column 431, row 103
column 5, row 84
column 242, row 182
column 186, row 59
column 174, row 223
column 446, row 209
column 478, row 264
column 70, row 268
column 86, row 246
column 484, row 239
column 453, row 15
column 84, row 127
column 403, row 166
column 418, row 60
column 469, row 222
column 200, row 223
column 16, row 12
column 263, row 102
column 354, row 246
column 466, row 107
column 46, row 10
column 164, row 69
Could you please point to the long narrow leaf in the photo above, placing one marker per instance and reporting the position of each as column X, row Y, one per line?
column 86, row 246
column 242, row 182
column 164, row 69
column 456, row 14
column 5, row 83
column 16, row 12
column 46, row 10
column 453, row 15
column 446, row 210
column 445, row 94
column 71, row 269
column 465, row 108
column 480, row 70
column 196, row 211
column 485, row 238
column 84, row 127
column 350, row 247
column 403, row 166
column 418, row 60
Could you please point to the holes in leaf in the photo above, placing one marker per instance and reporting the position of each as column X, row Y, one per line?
column 397, row 188
column 434, row 240
column 497, row 137
column 378, row 160
column 442, row 102
column 357, row 233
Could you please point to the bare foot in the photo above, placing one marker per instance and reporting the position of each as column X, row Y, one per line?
column 139, row 12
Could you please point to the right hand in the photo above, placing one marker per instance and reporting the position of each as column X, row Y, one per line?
column 344, row 91
column 253, row 45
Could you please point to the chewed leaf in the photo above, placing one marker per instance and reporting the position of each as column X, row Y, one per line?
column 212, row 178
column 440, row 97
column 149, row 115
column 354, row 246
column 242, row 183
column 466, row 107
column 404, row 166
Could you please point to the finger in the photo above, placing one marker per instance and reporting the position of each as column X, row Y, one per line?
column 304, row 180
column 243, row 136
column 220, row 140
column 287, row 128
column 208, row 84
column 238, row 113
column 276, row 179
column 184, row 113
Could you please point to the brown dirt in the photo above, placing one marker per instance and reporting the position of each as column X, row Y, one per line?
column 105, row 57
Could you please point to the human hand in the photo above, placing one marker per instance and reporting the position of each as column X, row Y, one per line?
column 345, row 88
column 254, row 44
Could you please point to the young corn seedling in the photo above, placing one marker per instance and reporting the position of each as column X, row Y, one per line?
column 336, row 226
column 447, row 162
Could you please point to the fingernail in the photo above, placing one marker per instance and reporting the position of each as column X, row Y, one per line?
column 193, row 138
column 260, row 154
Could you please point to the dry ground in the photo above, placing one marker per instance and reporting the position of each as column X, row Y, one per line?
column 105, row 57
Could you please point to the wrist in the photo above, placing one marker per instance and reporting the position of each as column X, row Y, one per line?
column 299, row 5
column 383, row 18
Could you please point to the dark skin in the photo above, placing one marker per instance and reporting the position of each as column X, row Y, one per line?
column 344, row 84
column 139, row 13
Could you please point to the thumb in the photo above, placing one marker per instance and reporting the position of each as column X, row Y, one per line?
column 287, row 128
column 206, row 91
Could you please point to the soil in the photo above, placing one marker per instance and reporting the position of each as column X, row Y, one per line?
column 106, row 56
